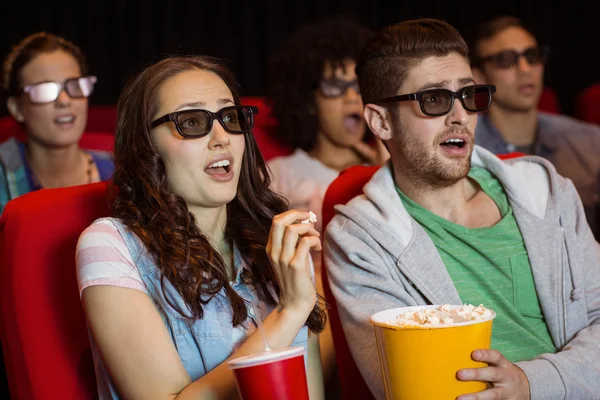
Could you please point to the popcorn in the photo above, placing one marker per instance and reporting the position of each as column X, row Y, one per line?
column 441, row 315
column 311, row 219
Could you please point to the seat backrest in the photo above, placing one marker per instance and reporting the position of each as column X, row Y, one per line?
column 587, row 104
column 344, row 188
column 104, row 141
column 102, row 118
column 42, row 323
column 549, row 101
column 264, row 128
column 508, row 156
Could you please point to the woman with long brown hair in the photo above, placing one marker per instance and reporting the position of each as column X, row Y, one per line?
column 199, row 248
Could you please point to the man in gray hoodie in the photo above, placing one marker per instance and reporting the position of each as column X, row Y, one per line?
column 446, row 221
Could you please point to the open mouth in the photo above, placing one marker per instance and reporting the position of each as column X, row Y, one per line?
column 454, row 143
column 219, row 167
column 352, row 121
column 65, row 119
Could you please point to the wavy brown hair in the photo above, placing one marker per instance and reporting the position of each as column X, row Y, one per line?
column 146, row 204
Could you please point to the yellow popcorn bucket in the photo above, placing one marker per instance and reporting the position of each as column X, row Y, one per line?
column 420, row 362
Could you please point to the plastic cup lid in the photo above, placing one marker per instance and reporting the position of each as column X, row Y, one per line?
column 266, row 357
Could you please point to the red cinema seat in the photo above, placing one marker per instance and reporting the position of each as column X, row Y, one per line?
column 587, row 104
column 42, row 323
column 264, row 126
column 549, row 101
column 344, row 188
column 102, row 118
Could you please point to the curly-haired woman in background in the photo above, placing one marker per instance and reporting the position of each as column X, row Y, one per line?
column 198, row 248
column 317, row 104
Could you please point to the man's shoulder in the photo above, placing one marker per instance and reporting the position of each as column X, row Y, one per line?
column 565, row 124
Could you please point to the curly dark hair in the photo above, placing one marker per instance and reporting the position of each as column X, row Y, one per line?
column 27, row 49
column 145, row 202
column 297, row 69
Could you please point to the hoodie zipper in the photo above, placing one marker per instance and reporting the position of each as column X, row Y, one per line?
column 562, row 280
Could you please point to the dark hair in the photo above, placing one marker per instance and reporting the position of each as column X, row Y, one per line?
column 297, row 68
column 30, row 47
column 146, row 204
column 384, row 63
column 491, row 28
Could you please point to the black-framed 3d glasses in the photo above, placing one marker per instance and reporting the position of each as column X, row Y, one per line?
column 438, row 102
column 506, row 59
column 47, row 92
column 332, row 88
column 197, row 123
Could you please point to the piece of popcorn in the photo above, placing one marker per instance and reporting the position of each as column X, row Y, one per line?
column 311, row 219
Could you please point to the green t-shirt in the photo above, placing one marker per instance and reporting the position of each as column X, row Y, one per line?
column 490, row 266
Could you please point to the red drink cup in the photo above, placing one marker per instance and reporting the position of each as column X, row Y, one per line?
column 272, row 375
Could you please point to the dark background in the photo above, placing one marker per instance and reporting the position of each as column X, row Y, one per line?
column 119, row 37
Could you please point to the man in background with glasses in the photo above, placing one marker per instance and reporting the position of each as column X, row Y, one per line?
column 447, row 222
column 507, row 55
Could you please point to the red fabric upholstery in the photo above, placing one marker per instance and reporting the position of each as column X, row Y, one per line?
column 508, row 156
column 549, row 101
column 346, row 186
column 102, row 119
column 104, row 141
column 264, row 126
column 42, row 323
column 587, row 104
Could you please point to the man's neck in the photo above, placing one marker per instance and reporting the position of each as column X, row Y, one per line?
column 447, row 202
column 332, row 155
column 517, row 128
column 463, row 203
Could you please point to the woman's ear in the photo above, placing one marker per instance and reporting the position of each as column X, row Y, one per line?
column 379, row 120
column 14, row 109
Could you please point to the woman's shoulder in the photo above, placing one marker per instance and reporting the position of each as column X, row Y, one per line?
column 101, row 230
column 103, row 257
column 11, row 155
column 104, row 162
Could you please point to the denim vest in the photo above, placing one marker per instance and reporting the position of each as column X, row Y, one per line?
column 202, row 344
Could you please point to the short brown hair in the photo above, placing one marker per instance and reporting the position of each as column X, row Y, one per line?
column 384, row 63
column 30, row 47
column 491, row 28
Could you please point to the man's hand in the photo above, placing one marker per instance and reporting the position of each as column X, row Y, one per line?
column 505, row 379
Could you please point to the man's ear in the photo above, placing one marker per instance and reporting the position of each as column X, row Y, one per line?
column 379, row 120
column 14, row 109
column 479, row 76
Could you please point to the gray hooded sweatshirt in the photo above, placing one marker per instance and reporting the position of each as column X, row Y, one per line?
column 378, row 257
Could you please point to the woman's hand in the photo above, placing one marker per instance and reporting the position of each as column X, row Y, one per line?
column 288, row 248
column 374, row 155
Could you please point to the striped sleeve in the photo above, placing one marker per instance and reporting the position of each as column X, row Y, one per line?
column 103, row 259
